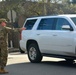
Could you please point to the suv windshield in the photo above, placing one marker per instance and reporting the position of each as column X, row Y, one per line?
column 74, row 20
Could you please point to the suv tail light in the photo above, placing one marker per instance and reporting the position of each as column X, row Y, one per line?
column 21, row 33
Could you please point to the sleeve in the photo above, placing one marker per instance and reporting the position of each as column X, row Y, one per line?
column 16, row 29
column 9, row 29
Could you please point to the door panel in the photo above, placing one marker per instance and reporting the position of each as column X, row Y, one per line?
column 56, row 41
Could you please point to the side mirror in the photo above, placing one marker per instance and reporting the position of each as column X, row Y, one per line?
column 67, row 27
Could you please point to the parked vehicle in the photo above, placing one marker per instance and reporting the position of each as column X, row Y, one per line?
column 53, row 36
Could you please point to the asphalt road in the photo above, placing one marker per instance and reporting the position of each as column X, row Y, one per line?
column 18, row 64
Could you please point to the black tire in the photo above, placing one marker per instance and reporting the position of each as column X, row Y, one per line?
column 69, row 60
column 21, row 51
column 34, row 54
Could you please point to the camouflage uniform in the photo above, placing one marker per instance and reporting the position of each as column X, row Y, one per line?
column 3, row 47
column 3, row 44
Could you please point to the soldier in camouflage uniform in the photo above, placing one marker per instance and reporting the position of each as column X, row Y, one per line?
column 3, row 44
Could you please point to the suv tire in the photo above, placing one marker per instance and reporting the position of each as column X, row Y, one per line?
column 34, row 54
column 70, row 60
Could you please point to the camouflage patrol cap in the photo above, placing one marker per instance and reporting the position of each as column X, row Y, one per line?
column 3, row 20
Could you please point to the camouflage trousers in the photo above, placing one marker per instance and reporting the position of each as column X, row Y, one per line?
column 3, row 56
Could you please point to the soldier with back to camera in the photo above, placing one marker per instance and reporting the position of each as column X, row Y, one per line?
column 3, row 44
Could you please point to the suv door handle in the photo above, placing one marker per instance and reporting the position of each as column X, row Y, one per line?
column 54, row 35
column 38, row 34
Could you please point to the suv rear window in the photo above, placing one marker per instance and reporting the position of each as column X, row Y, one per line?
column 29, row 24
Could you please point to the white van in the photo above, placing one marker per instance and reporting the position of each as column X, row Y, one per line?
column 53, row 36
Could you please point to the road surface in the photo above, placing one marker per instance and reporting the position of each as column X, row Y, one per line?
column 18, row 64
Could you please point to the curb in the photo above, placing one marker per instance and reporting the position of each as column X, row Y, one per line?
column 13, row 50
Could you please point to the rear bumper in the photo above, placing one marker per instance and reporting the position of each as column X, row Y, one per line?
column 22, row 45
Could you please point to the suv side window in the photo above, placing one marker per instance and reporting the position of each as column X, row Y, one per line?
column 61, row 22
column 46, row 24
column 29, row 24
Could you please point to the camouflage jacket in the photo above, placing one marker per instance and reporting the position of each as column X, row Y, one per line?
column 4, row 31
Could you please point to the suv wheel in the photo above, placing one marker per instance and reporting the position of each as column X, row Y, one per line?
column 34, row 54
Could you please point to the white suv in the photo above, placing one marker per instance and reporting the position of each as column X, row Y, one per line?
column 53, row 36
